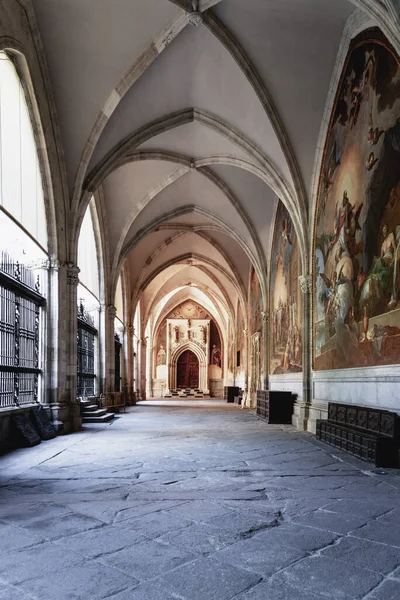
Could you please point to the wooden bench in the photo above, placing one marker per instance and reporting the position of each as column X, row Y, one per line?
column 368, row 433
column 113, row 400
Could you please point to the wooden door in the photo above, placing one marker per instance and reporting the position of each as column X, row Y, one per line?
column 187, row 370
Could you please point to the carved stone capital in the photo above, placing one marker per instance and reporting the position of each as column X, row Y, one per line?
column 305, row 284
column 111, row 312
column 131, row 330
column 72, row 274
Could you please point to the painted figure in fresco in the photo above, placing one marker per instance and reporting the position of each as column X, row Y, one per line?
column 161, row 356
column 378, row 286
column 215, row 356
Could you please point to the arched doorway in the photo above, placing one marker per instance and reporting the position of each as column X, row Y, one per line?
column 187, row 370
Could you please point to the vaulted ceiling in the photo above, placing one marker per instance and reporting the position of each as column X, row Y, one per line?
column 189, row 120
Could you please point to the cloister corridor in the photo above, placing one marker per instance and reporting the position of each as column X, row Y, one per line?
column 195, row 500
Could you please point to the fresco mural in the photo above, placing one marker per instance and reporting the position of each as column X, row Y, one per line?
column 286, row 338
column 357, row 227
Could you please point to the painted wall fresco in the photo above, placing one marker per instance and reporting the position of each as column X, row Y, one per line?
column 285, row 322
column 357, row 236
column 255, row 302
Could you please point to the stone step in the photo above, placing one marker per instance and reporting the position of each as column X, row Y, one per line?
column 90, row 407
column 98, row 412
column 105, row 418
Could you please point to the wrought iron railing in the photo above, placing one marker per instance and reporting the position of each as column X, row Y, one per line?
column 20, row 311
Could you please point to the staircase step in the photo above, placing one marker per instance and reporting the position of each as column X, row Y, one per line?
column 90, row 407
column 99, row 412
column 98, row 419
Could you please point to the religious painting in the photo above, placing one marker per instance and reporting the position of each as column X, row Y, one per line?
column 240, row 327
column 357, row 225
column 285, row 301
column 255, row 302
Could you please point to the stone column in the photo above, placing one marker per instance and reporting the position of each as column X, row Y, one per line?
column 265, row 365
column 168, row 358
column 149, row 371
column 306, row 289
column 65, row 410
column 110, row 315
column 130, row 362
column 143, row 352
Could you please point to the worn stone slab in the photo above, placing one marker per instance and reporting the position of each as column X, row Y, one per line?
column 205, row 578
column 385, row 533
column 17, row 538
column 11, row 593
column 147, row 560
column 145, row 591
column 364, row 554
column 244, row 523
column 388, row 590
column 199, row 510
column 25, row 564
column 297, row 536
column 332, row 578
column 155, row 524
column 253, row 554
column 276, row 589
column 337, row 522
column 68, row 524
column 90, row 580
column 358, row 507
column 97, row 542
column 201, row 538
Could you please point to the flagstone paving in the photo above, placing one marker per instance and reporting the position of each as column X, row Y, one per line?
column 196, row 500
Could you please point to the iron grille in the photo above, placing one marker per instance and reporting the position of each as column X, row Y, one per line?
column 86, row 375
column 20, row 311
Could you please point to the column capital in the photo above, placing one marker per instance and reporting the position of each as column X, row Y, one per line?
column 111, row 311
column 305, row 284
column 130, row 330
column 72, row 274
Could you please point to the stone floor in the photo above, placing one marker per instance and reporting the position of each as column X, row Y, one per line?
column 195, row 500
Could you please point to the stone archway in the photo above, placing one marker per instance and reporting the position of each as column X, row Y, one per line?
column 187, row 371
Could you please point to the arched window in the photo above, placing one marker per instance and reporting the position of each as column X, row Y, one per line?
column 23, row 246
column 88, row 306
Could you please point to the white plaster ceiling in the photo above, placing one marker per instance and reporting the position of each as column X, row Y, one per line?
column 293, row 45
column 285, row 51
column 90, row 45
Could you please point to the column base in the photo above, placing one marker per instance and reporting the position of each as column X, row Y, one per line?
column 66, row 418
column 300, row 416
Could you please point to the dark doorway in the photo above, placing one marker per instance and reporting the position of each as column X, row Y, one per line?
column 187, row 370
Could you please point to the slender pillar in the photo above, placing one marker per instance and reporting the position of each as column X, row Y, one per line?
column 143, row 353
column 130, row 360
column 65, row 410
column 110, row 315
column 265, row 365
column 306, row 289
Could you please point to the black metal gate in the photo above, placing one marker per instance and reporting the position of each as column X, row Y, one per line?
column 20, row 309
column 86, row 354
column 117, row 347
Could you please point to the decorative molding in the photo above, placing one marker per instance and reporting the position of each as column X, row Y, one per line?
column 196, row 18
